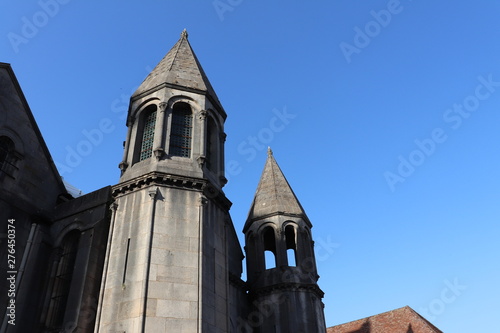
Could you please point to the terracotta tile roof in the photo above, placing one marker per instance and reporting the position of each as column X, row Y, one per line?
column 402, row 320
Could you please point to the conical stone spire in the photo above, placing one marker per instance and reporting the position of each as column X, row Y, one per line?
column 274, row 196
column 178, row 69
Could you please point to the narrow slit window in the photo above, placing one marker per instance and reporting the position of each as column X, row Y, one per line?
column 148, row 136
column 269, row 248
column 126, row 262
column 270, row 259
column 181, row 130
column 63, row 278
column 291, row 245
column 211, row 144
column 290, row 253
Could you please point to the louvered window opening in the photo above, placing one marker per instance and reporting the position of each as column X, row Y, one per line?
column 181, row 133
column 148, row 136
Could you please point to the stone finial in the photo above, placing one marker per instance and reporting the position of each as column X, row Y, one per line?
column 184, row 34
column 269, row 151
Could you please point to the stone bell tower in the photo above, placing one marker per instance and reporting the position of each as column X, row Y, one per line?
column 168, row 260
column 281, row 266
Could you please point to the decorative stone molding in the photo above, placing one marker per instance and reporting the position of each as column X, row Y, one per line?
column 313, row 288
column 157, row 179
column 162, row 106
column 202, row 115
column 210, row 191
column 201, row 160
column 167, row 180
column 152, row 193
column 159, row 153
column 123, row 166
column 203, row 200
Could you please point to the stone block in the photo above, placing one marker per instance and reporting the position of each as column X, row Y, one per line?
column 185, row 259
column 194, row 244
column 188, row 292
column 187, row 228
column 162, row 257
column 130, row 309
column 193, row 310
column 156, row 324
column 179, row 274
column 131, row 290
column 151, row 307
column 173, row 309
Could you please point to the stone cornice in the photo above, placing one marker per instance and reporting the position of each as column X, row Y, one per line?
column 287, row 286
column 278, row 213
column 158, row 178
column 212, row 99
column 175, row 181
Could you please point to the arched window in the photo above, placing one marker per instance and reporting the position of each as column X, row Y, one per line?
column 291, row 245
column 63, row 278
column 212, row 146
column 269, row 248
column 148, row 132
column 6, row 149
column 181, row 130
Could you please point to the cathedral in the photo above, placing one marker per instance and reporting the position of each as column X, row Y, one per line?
column 157, row 252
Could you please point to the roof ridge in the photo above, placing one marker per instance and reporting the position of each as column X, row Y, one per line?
column 437, row 330
column 275, row 192
column 405, row 311
column 34, row 125
column 178, row 44
column 375, row 315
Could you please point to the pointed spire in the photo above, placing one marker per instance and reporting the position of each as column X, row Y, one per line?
column 274, row 196
column 180, row 69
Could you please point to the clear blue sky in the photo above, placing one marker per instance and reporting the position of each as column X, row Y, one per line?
column 390, row 137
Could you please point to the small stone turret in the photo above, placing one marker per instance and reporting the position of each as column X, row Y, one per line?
column 281, row 267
